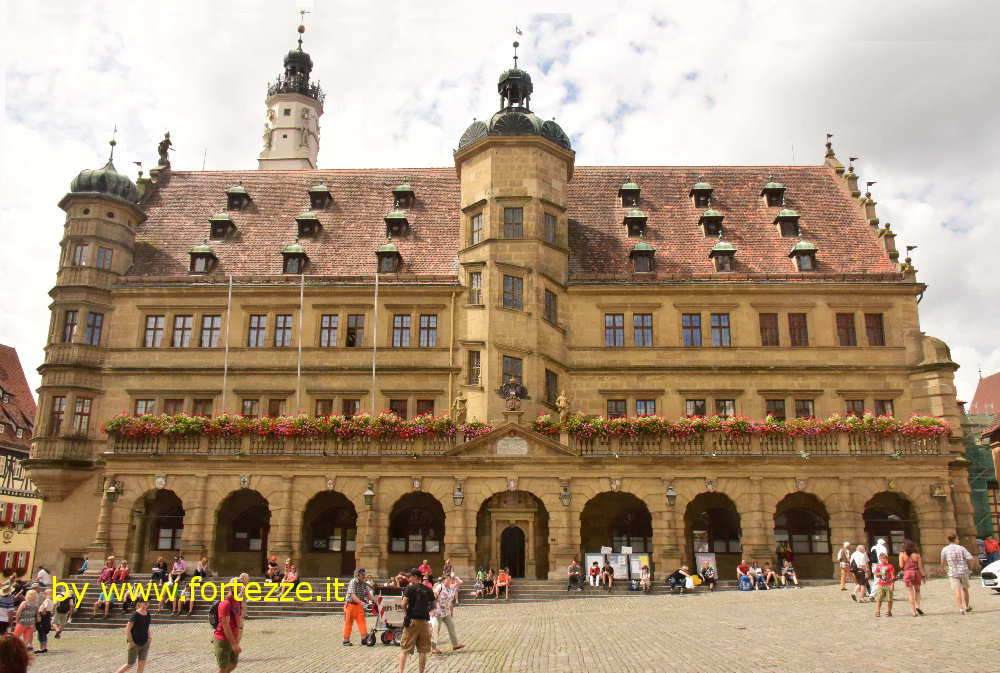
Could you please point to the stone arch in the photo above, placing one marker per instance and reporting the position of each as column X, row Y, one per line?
column 242, row 526
column 616, row 520
column 802, row 527
column 504, row 510
column 712, row 525
column 329, row 536
column 156, row 530
column 416, row 532
column 893, row 517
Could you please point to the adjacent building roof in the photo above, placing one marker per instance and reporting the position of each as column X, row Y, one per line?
column 18, row 411
column 987, row 397
column 354, row 223
column 993, row 428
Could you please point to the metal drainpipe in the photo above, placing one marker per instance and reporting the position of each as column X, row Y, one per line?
column 298, row 367
column 225, row 362
column 451, row 353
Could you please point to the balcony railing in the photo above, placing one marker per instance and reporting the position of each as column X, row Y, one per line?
column 299, row 85
column 61, row 449
column 254, row 445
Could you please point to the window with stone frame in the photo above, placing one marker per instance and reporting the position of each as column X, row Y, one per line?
column 642, row 263
column 695, row 407
column 276, row 407
column 104, row 258
column 476, row 287
column 415, row 530
column 551, row 386
column 549, row 226
column 355, row 331
column 211, row 331
column 69, row 326
column 513, row 222
column 875, row 327
column 56, row 414
column 617, row 409
column 173, row 405
column 855, row 407
column 691, row 329
column 806, row 261
column 350, row 407
column 846, row 334
column 476, row 229
column 398, row 407
column 201, row 406
column 181, row 337
column 257, row 331
column 513, row 368
column 153, row 336
column 551, row 311
column 720, row 329
column 513, row 287
column 775, row 408
column 324, row 407
column 645, row 407
column 723, row 262
column 282, row 331
column 400, row 330
column 642, row 329
column 328, row 330
column 250, row 408
column 798, row 332
column 768, row 329
column 294, row 264
column 425, row 407
column 614, row 329
column 805, row 409
column 883, row 408
column 95, row 323
column 81, row 415
column 80, row 254
column 474, row 369
column 725, row 408
column 428, row 331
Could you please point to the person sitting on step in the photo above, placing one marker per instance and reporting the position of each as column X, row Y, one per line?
column 503, row 584
column 678, row 579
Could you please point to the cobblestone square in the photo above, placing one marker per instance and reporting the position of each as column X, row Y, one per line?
column 812, row 629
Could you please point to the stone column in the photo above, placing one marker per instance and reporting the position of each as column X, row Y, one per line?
column 669, row 546
column 757, row 524
column 280, row 534
column 101, row 546
column 370, row 524
column 194, row 538
column 847, row 523
column 459, row 543
column 138, row 541
column 564, row 528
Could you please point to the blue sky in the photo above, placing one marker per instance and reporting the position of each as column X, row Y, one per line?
column 911, row 88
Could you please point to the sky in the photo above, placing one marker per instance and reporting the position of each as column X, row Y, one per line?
column 912, row 88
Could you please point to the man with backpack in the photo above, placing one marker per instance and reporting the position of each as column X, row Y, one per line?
column 227, row 617
column 418, row 599
column 64, row 614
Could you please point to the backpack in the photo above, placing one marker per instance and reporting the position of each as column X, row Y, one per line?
column 854, row 566
column 213, row 614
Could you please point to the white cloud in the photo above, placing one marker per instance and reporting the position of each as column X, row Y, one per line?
column 909, row 87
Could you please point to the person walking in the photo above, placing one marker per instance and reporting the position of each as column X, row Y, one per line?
column 137, row 636
column 358, row 593
column 885, row 576
column 43, row 622
column 25, row 617
column 877, row 550
column 444, row 612
column 911, row 565
column 226, row 641
column 63, row 614
column 417, row 603
column 957, row 561
column 861, row 569
column 6, row 607
column 844, row 559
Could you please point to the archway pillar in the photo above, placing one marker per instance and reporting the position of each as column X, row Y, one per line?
column 668, row 541
column 282, row 524
column 757, row 524
column 564, row 528
column 194, row 539
column 459, row 540
column 847, row 521
column 373, row 532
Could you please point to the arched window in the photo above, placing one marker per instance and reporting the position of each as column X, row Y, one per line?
column 335, row 531
column 415, row 530
column 716, row 530
column 250, row 529
column 805, row 531
column 633, row 528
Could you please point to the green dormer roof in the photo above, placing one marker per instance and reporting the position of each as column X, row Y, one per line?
column 237, row 189
column 641, row 247
column 635, row 214
column 786, row 214
column 772, row 186
column 294, row 249
column 387, row 248
column 402, row 189
column 628, row 186
column 711, row 214
column 319, row 189
column 221, row 217
column 700, row 186
column 395, row 216
column 308, row 215
column 202, row 249
column 722, row 248
column 802, row 248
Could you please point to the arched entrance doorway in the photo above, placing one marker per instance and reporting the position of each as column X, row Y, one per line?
column 329, row 536
column 801, row 524
column 512, row 521
column 416, row 532
column 158, row 527
column 712, row 525
column 890, row 516
column 243, row 522
column 617, row 520
column 512, row 550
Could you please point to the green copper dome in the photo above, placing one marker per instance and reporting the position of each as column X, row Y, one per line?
column 106, row 181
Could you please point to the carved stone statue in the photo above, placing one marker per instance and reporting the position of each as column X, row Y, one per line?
column 458, row 409
column 513, row 392
column 164, row 148
column 267, row 138
column 562, row 404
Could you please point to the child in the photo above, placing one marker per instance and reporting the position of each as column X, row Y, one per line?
column 479, row 587
column 137, row 636
column 788, row 573
column 886, row 576
column 645, row 581
column 595, row 574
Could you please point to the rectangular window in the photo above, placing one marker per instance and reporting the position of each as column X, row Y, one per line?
column 425, row 407
column 645, row 407
column 153, row 337
column 428, row 331
column 616, row 408
column 202, row 407
column 355, row 331
column 275, row 408
column 182, row 331
column 251, row 408
column 769, row 329
column 551, row 386
column 694, row 407
column 875, row 329
column 80, row 254
column 883, row 408
column 798, row 333
column 512, row 289
column 512, row 369
column 476, row 228
column 550, row 228
column 614, row 329
column 642, row 327
column 512, row 223
column 211, row 330
column 804, row 409
column 324, row 408
column 174, row 405
column 104, row 258
column 257, row 331
column 725, row 408
column 81, row 416
column 551, row 307
column 400, row 331
column 855, row 408
column 56, row 417
column 775, row 408
column 143, row 407
column 476, row 287
column 720, row 329
column 846, row 335
column 691, row 329
column 328, row 331
column 474, row 368
column 69, row 326
column 398, row 407
column 282, row 331
column 350, row 407
column 95, row 322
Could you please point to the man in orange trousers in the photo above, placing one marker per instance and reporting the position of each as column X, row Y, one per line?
column 358, row 592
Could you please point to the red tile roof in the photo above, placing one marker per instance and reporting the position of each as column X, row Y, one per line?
column 353, row 227
column 987, row 397
column 19, row 411
column 992, row 428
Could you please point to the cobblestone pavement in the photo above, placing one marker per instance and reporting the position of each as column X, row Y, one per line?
column 812, row 629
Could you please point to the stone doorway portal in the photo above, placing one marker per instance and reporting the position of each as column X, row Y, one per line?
column 512, row 550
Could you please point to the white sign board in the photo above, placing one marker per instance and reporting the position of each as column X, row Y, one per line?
column 626, row 550
column 512, row 446
column 606, row 550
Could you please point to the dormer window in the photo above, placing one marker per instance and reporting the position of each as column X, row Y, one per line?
column 642, row 257
column 711, row 222
column 774, row 192
column 723, row 254
column 701, row 192
column 294, row 258
column 320, row 197
column 5, row 397
column 805, row 255
column 396, row 223
column 220, row 226
column 402, row 196
column 237, row 198
column 788, row 222
column 389, row 259
column 203, row 259
column 629, row 194
column 308, row 223
column 635, row 220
